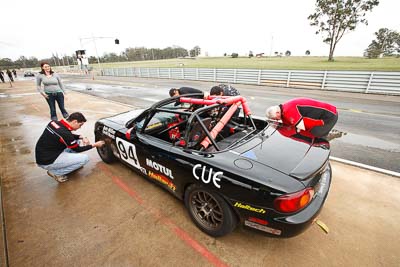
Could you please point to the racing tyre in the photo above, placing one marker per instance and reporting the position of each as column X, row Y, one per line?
column 105, row 153
column 209, row 211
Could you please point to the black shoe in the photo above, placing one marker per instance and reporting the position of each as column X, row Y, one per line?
column 65, row 115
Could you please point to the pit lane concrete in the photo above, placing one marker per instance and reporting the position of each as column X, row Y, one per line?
column 106, row 215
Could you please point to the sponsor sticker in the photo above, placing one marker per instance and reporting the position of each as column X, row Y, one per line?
column 55, row 125
column 162, row 179
column 109, row 132
column 262, row 228
column 248, row 207
column 214, row 177
column 152, row 126
column 158, row 167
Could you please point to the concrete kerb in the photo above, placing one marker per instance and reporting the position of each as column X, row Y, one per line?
column 364, row 166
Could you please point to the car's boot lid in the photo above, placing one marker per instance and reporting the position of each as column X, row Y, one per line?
column 292, row 155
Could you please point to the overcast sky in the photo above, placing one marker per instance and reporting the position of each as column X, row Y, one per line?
column 40, row 28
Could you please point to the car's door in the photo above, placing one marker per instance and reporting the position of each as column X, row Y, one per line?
column 148, row 151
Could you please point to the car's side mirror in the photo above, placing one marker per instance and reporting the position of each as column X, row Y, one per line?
column 131, row 133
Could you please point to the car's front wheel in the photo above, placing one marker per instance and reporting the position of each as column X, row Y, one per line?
column 106, row 153
column 209, row 211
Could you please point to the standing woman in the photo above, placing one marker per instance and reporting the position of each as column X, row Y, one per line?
column 53, row 90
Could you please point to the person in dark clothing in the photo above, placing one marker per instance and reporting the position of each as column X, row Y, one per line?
column 57, row 149
column 15, row 73
column 10, row 75
column 306, row 114
column 224, row 89
column 187, row 90
column 2, row 76
column 184, row 91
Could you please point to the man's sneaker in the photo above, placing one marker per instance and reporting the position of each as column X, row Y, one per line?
column 58, row 178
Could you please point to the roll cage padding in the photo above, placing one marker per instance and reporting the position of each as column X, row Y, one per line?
column 220, row 125
column 224, row 100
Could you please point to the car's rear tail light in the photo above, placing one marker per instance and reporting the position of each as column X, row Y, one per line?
column 295, row 201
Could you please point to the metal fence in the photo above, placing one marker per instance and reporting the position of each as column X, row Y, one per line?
column 349, row 81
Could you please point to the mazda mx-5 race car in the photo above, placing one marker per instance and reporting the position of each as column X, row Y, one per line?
column 226, row 166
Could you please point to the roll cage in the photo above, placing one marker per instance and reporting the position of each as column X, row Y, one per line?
column 201, row 121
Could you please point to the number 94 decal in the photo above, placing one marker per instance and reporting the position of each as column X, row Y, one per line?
column 127, row 151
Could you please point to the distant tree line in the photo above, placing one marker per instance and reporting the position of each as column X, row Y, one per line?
column 386, row 43
column 130, row 54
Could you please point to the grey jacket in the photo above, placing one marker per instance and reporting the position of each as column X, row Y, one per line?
column 51, row 84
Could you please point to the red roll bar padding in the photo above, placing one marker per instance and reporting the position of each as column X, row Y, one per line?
column 225, row 100
column 217, row 128
column 197, row 101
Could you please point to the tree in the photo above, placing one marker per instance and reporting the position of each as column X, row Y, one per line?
column 195, row 51
column 398, row 45
column 234, row 55
column 288, row 53
column 308, row 52
column 385, row 44
column 251, row 54
column 336, row 17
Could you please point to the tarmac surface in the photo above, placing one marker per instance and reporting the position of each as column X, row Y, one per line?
column 107, row 215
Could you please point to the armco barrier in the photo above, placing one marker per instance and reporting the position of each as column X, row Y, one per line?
column 349, row 81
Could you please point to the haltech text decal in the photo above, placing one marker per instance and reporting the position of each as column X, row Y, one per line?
column 248, row 207
column 162, row 179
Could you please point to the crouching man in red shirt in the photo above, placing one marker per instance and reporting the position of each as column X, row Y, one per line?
column 306, row 114
column 58, row 149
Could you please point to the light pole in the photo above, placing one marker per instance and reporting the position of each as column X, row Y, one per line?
column 272, row 45
column 93, row 39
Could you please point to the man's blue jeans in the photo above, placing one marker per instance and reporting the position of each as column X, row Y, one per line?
column 68, row 161
column 53, row 97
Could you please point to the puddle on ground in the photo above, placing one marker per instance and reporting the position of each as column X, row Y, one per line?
column 94, row 86
column 367, row 141
column 3, row 95
column 10, row 124
column 24, row 150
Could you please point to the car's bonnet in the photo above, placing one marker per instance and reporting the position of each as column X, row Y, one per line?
column 122, row 118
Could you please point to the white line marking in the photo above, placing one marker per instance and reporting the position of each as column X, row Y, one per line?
column 364, row 166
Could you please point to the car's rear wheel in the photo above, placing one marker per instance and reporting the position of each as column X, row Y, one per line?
column 106, row 153
column 209, row 211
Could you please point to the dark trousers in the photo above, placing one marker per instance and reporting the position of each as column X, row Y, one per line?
column 2, row 78
column 321, row 131
column 59, row 97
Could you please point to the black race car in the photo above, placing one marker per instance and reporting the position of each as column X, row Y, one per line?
column 227, row 166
